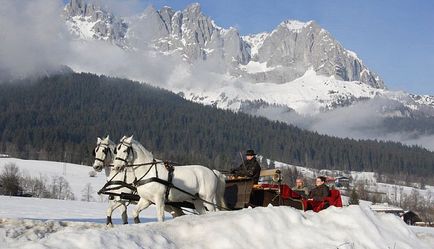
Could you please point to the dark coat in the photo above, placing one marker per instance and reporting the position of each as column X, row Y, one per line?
column 319, row 192
column 303, row 192
column 250, row 168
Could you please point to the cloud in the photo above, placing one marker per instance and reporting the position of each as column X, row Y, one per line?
column 363, row 120
column 32, row 37
column 103, row 58
column 34, row 40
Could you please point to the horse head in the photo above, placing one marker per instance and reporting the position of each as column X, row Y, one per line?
column 124, row 153
column 102, row 153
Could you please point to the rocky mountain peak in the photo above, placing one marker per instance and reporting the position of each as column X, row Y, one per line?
column 85, row 9
column 298, row 46
column 288, row 52
column 89, row 21
column 295, row 25
column 193, row 9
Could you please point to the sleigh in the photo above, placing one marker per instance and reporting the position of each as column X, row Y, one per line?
column 241, row 192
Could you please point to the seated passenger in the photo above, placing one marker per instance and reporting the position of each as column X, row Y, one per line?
column 300, row 189
column 320, row 191
column 250, row 167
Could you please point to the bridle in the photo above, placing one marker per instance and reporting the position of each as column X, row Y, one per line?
column 128, row 150
column 105, row 151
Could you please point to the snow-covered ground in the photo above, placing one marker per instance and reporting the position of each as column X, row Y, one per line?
column 47, row 223
column 65, row 210
column 75, row 224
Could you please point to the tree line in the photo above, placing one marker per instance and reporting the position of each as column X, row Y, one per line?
column 59, row 117
column 15, row 183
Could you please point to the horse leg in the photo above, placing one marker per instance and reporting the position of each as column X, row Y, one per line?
column 112, row 206
column 210, row 207
column 124, row 213
column 198, row 205
column 159, row 205
column 142, row 204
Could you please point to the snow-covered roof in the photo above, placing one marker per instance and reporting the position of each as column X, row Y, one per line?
column 386, row 208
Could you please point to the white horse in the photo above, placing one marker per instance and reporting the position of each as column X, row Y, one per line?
column 207, row 186
column 104, row 156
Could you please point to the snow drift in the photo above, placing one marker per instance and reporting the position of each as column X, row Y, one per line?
column 272, row 227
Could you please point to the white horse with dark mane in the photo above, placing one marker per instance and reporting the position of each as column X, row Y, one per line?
column 104, row 156
column 193, row 183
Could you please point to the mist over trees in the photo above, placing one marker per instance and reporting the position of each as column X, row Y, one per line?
column 59, row 117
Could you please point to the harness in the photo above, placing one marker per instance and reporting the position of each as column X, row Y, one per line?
column 169, row 166
column 170, row 169
column 122, row 184
column 111, row 185
column 106, row 189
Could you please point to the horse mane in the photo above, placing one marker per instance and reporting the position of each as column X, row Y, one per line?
column 143, row 149
column 109, row 143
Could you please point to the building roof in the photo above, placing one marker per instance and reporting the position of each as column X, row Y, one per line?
column 384, row 207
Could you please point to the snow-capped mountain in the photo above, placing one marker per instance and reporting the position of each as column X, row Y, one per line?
column 299, row 64
column 298, row 73
column 285, row 54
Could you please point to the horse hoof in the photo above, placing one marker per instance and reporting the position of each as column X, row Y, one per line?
column 109, row 225
column 136, row 220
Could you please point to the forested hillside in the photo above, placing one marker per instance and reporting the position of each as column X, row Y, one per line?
column 59, row 118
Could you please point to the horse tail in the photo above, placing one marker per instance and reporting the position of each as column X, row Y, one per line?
column 221, row 186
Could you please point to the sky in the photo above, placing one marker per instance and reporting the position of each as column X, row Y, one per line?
column 394, row 38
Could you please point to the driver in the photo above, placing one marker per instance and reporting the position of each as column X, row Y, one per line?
column 250, row 167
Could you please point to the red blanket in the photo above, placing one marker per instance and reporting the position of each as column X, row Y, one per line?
column 333, row 200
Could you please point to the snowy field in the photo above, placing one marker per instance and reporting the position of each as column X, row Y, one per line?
column 76, row 175
column 42, row 223
column 47, row 223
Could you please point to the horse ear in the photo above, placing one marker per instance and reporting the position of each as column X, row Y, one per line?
column 123, row 138
column 128, row 140
column 98, row 140
column 107, row 137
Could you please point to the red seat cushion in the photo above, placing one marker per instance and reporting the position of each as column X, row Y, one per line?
column 286, row 192
column 335, row 198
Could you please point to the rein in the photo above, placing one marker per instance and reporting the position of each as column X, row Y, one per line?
column 145, row 164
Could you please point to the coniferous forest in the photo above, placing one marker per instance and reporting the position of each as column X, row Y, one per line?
column 59, row 118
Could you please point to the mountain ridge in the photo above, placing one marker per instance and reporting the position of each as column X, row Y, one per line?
column 282, row 56
column 198, row 37
column 297, row 70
